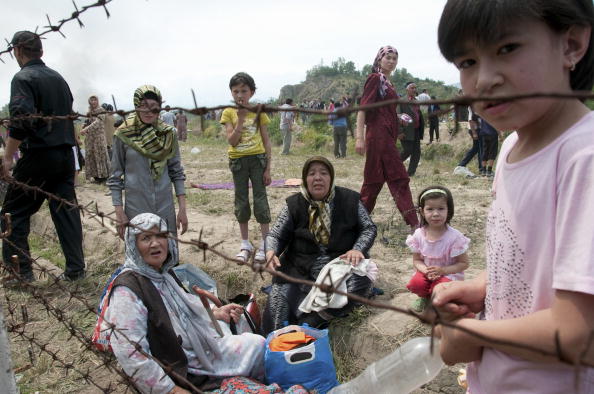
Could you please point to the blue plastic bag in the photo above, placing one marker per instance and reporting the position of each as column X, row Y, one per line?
column 311, row 366
column 190, row 276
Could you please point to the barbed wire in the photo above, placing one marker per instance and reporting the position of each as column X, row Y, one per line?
column 56, row 28
column 458, row 101
column 433, row 319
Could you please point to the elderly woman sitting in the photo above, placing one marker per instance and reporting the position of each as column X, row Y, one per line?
column 150, row 308
column 319, row 224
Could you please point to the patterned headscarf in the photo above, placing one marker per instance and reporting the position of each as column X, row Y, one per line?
column 157, row 141
column 320, row 216
column 193, row 315
column 377, row 68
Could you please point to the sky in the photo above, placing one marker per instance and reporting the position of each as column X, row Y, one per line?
column 178, row 45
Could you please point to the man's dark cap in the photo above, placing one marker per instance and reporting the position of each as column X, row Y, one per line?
column 27, row 40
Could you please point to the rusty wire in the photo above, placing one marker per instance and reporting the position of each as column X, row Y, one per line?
column 433, row 319
column 56, row 28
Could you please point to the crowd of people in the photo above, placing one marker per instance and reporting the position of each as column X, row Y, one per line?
column 538, row 286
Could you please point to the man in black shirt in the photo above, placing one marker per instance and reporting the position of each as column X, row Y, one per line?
column 46, row 159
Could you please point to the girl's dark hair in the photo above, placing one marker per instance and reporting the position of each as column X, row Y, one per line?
column 242, row 78
column 486, row 20
column 424, row 196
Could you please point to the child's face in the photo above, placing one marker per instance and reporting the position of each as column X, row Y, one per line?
column 435, row 212
column 241, row 93
column 527, row 59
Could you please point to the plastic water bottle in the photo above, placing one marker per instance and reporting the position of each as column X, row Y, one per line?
column 405, row 369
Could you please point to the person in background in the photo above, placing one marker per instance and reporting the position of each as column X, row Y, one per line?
column 377, row 131
column 413, row 131
column 109, row 125
column 433, row 121
column 168, row 117
column 490, row 143
column 339, row 125
column 96, row 156
column 181, row 124
column 287, row 119
column 47, row 160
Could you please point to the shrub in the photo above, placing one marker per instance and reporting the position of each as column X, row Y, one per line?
column 314, row 140
column 276, row 138
column 441, row 152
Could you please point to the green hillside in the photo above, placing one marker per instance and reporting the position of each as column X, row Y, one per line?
column 342, row 78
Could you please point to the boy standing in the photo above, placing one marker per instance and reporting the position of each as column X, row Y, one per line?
column 249, row 160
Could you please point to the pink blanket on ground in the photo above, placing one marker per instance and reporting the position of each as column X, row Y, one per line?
column 291, row 182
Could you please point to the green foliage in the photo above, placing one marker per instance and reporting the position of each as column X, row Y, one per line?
column 315, row 140
column 212, row 129
column 4, row 111
column 276, row 138
column 338, row 67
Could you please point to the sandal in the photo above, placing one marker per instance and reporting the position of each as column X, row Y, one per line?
column 260, row 255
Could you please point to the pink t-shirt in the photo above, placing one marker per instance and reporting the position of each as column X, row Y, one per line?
column 441, row 252
column 540, row 237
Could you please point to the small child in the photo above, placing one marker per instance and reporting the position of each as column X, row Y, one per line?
column 439, row 251
column 536, row 294
column 249, row 160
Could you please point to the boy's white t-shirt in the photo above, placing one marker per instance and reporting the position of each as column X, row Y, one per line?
column 540, row 238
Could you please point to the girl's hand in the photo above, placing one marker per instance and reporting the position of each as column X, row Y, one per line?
column 434, row 273
column 456, row 346
column 353, row 257
column 182, row 221
column 272, row 260
column 360, row 146
column 266, row 178
column 459, row 298
column 228, row 312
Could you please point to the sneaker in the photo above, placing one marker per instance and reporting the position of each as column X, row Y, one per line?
column 489, row 174
column 72, row 278
column 260, row 255
column 419, row 304
column 483, row 172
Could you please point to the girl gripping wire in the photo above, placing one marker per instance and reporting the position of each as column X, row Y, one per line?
column 538, row 288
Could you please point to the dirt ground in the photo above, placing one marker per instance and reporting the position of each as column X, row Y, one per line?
column 357, row 341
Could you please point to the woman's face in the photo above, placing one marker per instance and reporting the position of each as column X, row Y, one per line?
column 152, row 246
column 318, row 181
column 146, row 115
column 93, row 102
column 389, row 62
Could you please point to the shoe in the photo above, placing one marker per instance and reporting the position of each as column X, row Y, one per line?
column 13, row 281
column 260, row 255
column 483, row 172
column 489, row 174
column 419, row 304
column 72, row 278
column 108, row 193
column 244, row 253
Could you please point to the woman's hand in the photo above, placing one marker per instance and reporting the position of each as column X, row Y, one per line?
column 83, row 131
column 272, row 260
column 178, row 390
column 353, row 257
column 122, row 220
column 266, row 177
column 360, row 146
column 228, row 312
column 182, row 221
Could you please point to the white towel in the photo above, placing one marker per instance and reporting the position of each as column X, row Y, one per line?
column 332, row 274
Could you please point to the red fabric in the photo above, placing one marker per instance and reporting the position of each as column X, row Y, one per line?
column 423, row 287
column 382, row 159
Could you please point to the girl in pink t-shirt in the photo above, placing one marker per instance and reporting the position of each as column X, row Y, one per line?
column 536, row 295
column 439, row 251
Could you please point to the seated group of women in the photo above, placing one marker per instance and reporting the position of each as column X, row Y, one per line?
column 149, row 307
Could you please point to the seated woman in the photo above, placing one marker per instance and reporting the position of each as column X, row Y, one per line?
column 150, row 308
column 316, row 226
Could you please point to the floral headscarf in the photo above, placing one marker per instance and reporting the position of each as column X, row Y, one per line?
column 157, row 141
column 320, row 217
column 193, row 316
column 377, row 68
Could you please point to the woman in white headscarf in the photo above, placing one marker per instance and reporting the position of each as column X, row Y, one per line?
column 151, row 308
